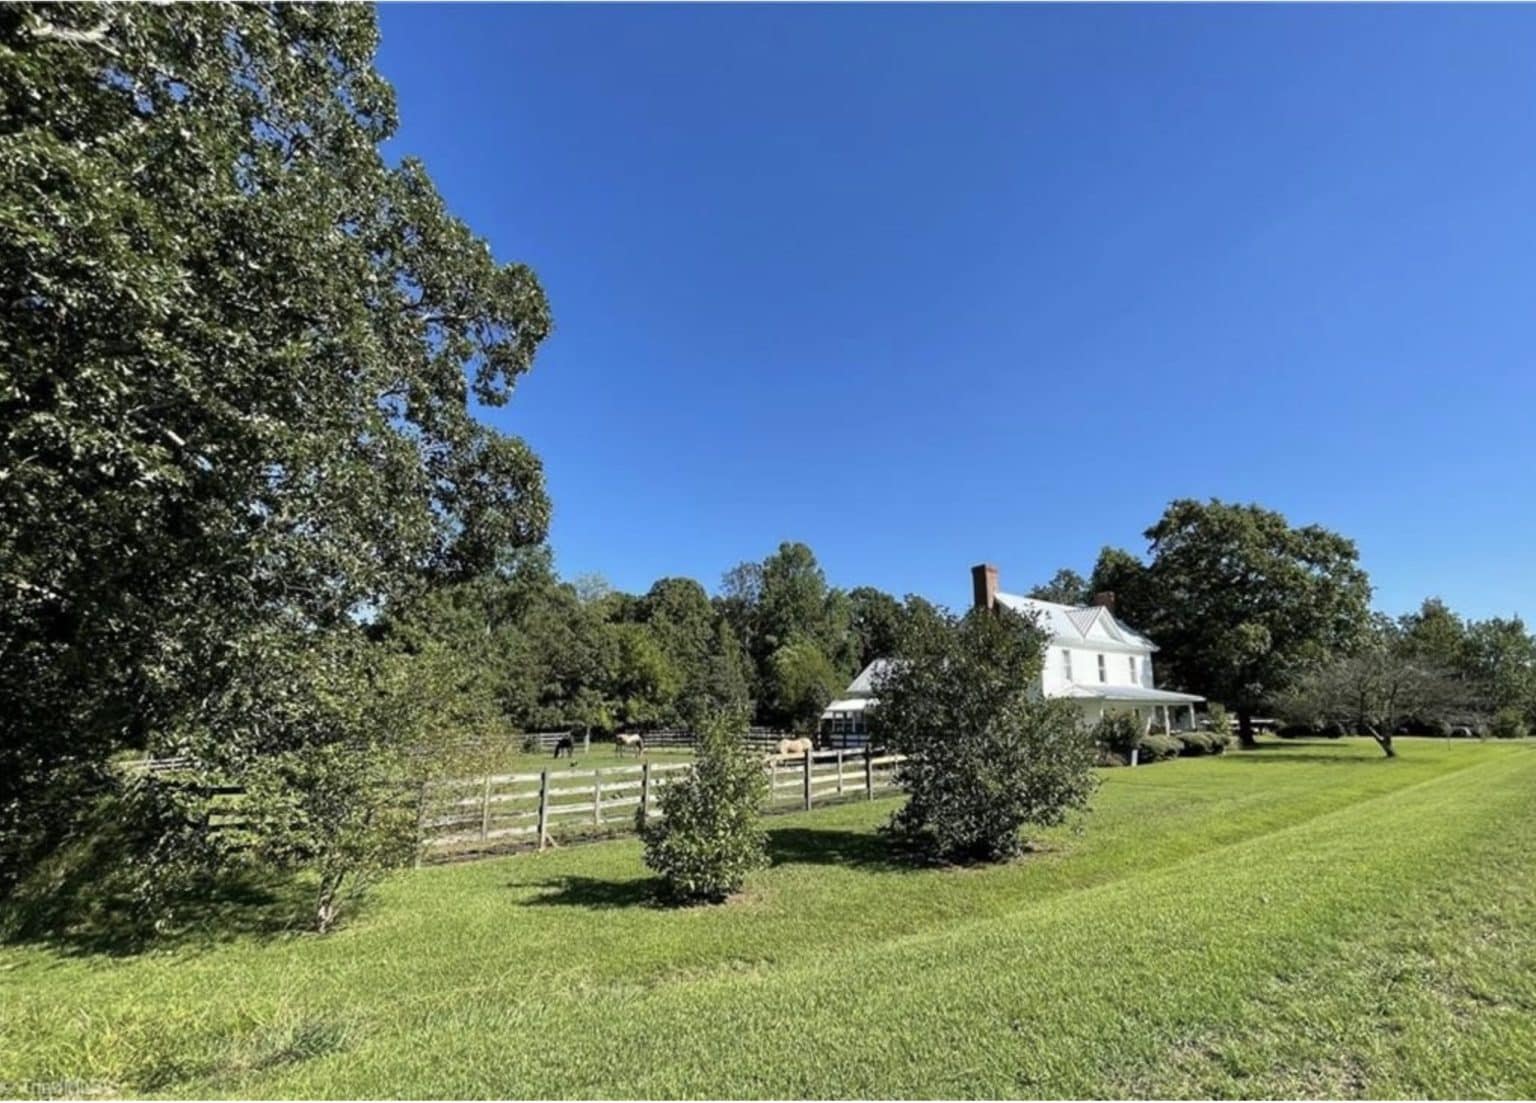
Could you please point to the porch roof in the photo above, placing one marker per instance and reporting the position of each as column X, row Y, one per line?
column 1136, row 694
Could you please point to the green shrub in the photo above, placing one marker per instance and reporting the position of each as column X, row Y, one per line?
column 1195, row 742
column 1220, row 721
column 1120, row 733
column 709, row 839
column 1156, row 747
column 985, row 759
column 1508, row 723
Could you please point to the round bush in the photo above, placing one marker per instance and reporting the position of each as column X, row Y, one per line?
column 1508, row 723
column 709, row 838
column 1156, row 747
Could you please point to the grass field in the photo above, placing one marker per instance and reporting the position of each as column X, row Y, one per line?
column 1306, row 919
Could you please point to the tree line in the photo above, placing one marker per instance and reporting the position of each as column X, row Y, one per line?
column 774, row 645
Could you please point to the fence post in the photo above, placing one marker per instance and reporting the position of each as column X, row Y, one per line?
column 597, row 797
column 421, row 823
column 808, row 764
column 773, row 780
column 645, row 791
column 839, row 771
column 543, row 807
column 869, row 772
column 485, row 808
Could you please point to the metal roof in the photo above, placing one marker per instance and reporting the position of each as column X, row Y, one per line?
column 1129, row 693
column 1074, row 624
column 864, row 684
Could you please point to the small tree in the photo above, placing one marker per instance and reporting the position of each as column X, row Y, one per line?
column 1376, row 689
column 709, row 839
column 340, row 811
column 985, row 756
column 331, row 740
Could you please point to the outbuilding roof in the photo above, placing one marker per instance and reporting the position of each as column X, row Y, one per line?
column 864, row 684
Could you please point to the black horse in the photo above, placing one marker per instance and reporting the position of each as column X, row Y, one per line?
column 566, row 745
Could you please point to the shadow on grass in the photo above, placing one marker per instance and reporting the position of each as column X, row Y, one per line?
column 103, row 919
column 786, row 845
column 1306, row 750
column 593, row 892
column 813, row 846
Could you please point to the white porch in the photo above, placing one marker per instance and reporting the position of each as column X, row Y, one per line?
column 1157, row 709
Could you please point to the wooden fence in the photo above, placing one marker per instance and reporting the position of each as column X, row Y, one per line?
column 535, row 808
column 757, row 739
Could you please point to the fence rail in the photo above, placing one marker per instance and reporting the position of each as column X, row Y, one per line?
column 466, row 814
column 473, row 812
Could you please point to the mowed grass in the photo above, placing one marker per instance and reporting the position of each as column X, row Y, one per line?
column 1303, row 920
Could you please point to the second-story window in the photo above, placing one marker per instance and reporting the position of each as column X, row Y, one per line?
column 1131, row 662
column 1103, row 673
column 1066, row 664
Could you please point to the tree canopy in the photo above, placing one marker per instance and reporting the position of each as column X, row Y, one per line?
column 240, row 347
column 1066, row 587
column 1243, row 602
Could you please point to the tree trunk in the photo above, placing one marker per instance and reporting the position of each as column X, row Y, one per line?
column 328, row 903
column 1382, row 741
column 1245, row 729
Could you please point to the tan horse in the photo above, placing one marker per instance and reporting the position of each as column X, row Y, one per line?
column 797, row 747
column 635, row 742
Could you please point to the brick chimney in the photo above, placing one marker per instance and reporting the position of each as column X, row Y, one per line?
column 1106, row 599
column 984, row 585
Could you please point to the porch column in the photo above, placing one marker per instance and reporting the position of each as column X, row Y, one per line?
column 1167, row 722
column 1191, row 716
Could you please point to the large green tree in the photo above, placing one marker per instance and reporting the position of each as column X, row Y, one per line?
column 784, row 604
column 1066, row 587
column 239, row 347
column 875, row 620
column 1242, row 603
column 1500, row 659
column 1434, row 632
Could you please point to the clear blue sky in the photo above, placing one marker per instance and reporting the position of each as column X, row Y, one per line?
column 926, row 286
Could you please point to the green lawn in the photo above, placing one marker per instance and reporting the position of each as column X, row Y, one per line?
column 1307, row 919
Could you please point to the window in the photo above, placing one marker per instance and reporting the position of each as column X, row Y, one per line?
column 1131, row 659
column 1103, row 672
column 1066, row 664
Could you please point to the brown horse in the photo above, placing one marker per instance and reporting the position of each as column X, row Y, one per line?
column 636, row 742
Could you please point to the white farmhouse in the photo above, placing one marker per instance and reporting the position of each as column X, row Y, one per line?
column 1091, row 658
